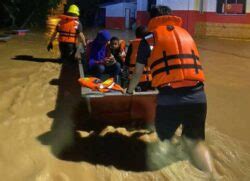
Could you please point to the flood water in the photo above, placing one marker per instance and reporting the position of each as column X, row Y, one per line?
column 38, row 102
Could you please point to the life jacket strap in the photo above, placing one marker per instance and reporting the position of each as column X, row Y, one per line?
column 67, row 34
column 167, row 67
column 144, row 72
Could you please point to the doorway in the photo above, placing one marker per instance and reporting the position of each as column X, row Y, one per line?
column 127, row 18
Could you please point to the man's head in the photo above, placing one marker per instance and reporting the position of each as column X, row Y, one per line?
column 73, row 10
column 141, row 31
column 114, row 43
column 160, row 11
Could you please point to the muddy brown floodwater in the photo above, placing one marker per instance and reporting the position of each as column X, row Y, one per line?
column 38, row 98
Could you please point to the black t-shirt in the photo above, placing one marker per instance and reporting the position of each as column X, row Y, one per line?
column 143, row 52
column 128, row 55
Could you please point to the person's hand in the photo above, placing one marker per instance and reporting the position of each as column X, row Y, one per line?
column 50, row 46
column 122, row 54
column 78, row 55
column 128, row 92
column 110, row 61
column 125, row 73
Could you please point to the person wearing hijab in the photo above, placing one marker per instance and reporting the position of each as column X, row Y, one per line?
column 98, row 64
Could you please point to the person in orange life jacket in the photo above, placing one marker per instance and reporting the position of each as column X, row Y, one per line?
column 98, row 62
column 71, row 37
column 116, row 51
column 115, row 55
column 177, row 74
column 130, row 61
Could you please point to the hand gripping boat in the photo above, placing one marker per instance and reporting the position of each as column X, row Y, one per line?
column 116, row 107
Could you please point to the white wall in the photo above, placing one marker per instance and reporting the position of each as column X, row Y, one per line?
column 142, row 5
column 210, row 5
column 248, row 6
column 115, row 10
column 118, row 10
column 132, row 7
column 179, row 4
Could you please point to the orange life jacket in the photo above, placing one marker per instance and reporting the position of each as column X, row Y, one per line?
column 67, row 29
column 174, row 59
column 146, row 72
column 97, row 85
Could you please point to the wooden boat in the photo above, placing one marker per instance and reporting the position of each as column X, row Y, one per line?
column 115, row 107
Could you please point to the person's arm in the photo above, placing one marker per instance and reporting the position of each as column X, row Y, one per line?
column 142, row 58
column 81, row 42
column 82, row 39
column 135, row 77
column 81, row 36
column 52, row 38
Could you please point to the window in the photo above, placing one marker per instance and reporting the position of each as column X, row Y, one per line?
column 231, row 6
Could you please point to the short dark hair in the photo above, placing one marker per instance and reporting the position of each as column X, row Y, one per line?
column 114, row 38
column 160, row 10
column 141, row 31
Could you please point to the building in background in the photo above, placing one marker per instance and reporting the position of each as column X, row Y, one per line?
column 224, row 18
column 119, row 14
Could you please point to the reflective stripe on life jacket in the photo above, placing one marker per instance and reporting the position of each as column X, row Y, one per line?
column 175, row 57
column 97, row 85
column 67, row 29
column 146, row 72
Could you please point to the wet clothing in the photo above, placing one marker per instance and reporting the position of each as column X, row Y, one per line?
column 191, row 116
column 186, row 106
column 68, row 51
column 176, row 106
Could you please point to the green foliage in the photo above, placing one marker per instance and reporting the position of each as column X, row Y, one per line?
column 31, row 12
column 88, row 10
column 18, row 13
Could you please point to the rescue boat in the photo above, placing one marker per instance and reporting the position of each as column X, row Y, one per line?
column 116, row 107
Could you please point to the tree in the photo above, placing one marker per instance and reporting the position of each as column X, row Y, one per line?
column 23, row 12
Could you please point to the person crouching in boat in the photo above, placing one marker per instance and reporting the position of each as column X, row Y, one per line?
column 70, row 35
column 115, row 55
column 99, row 64
column 130, row 61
